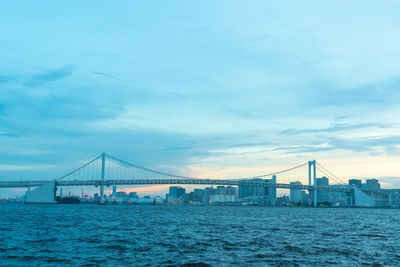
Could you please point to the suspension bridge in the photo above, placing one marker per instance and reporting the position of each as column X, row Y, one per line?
column 106, row 170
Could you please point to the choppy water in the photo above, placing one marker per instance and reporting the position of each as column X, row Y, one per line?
column 177, row 235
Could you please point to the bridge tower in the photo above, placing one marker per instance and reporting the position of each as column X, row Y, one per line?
column 312, row 176
column 103, row 165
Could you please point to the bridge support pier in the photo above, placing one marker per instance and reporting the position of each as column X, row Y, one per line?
column 101, row 193
column 310, row 192
column 103, row 166
column 313, row 192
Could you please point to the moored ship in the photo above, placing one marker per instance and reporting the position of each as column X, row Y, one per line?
column 68, row 200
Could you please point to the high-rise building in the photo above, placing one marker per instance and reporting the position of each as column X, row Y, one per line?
column 114, row 191
column 121, row 196
column 176, row 191
column 176, row 195
column 198, row 195
column 323, row 181
column 223, row 194
column 207, row 192
column 339, row 198
column 356, row 182
column 260, row 192
column 296, row 195
column 373, row 184
column 252, row 191
column 322, row 196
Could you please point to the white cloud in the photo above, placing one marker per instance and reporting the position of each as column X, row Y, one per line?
column 11, row 167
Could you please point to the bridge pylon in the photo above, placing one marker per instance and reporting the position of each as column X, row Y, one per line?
column 312, row 176
column 103, row 168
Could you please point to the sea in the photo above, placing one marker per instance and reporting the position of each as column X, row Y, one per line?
column 130, row 235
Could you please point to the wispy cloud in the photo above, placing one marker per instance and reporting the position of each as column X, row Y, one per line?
column 305, row 149
column 372, row 145
column 251, row 144
column 50, row 76
column 113, row 77
column 340, row 118
column 10, row 167
column 107, row 75
column 337, row 127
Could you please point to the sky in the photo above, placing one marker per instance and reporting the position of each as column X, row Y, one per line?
column 200, row 88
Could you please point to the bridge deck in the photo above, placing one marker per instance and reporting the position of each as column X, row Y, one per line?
column 110, row 182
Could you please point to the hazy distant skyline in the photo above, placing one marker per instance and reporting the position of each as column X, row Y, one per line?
column 200, row 88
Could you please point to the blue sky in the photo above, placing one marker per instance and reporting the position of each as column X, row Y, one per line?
column 200, row 87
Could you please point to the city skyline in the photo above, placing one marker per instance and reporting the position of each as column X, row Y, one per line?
column 296, row 173
column 247, row 194
column 225, row 91
column 106, row 170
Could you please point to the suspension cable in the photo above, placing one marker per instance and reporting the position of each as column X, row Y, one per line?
column 173, row 175
column 83, row 166
column 273, row 173
column 146, row 169
column 330, row 173
column 185, row 177
column 331, row 177
column 328, row 176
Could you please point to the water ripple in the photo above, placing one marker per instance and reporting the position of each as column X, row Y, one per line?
column 91, row 235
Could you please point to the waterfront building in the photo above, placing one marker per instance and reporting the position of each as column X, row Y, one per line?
column 323, row 196
column 373, row 184
column 198, row 195
column 246, row 191
column 121, row 196
column 363, row 186
column 222, row 198
column 176, row 195
column 176, row 192
column 208, row 195
column 296, row 195
column 224, row 194
column 283, row 201
column 361, row 199
column 260, row 194
column 207, row 192
column 304, row 197
column 339, row 198
column 356, row 182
